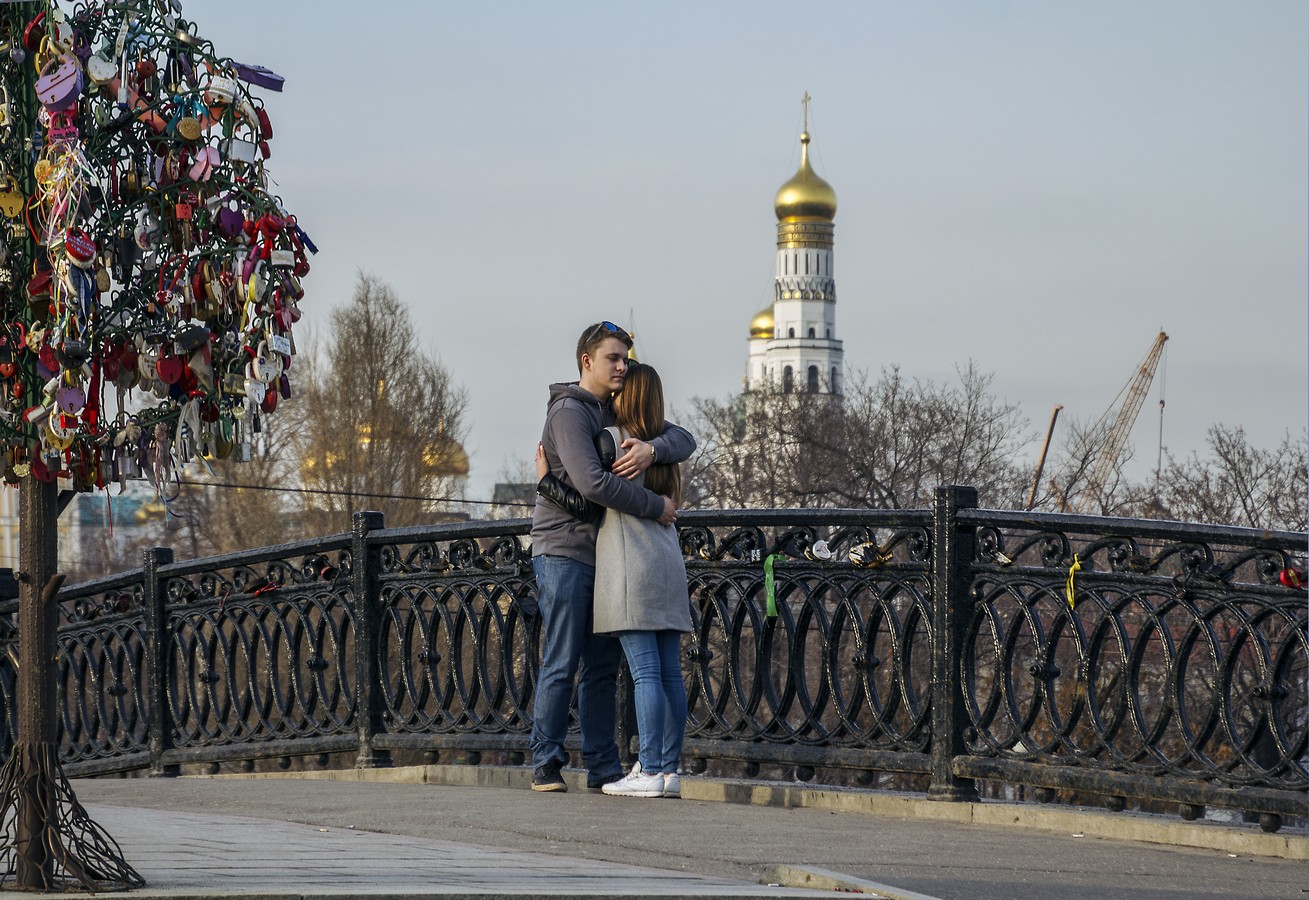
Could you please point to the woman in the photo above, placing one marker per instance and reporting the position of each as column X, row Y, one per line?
column 641, row 593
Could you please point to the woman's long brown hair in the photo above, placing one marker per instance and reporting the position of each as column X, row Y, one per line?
column 639, row 411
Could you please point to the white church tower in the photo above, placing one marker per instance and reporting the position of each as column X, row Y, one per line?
column 793, row 341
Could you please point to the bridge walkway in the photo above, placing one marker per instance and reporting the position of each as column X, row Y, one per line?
column 478, row 831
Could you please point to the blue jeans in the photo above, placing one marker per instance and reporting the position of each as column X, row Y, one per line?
column 565, row 589
column 655, row 660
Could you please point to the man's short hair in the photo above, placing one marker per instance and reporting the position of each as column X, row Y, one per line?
column 595, row 335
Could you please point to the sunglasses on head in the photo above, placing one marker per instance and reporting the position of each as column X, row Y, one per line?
column 605, row 326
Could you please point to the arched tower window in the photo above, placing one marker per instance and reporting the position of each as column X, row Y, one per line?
column 813, row 380
column 811, row 332
column 790, row 332
column 788, row 380
column 833, row 384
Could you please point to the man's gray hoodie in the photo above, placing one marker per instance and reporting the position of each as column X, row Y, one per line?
column 573, row 419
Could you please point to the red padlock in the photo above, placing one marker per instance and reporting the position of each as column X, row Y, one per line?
column 33, row 33
column 79, row 247
column 43, row 473
column 1292, row 578
column 169, row 369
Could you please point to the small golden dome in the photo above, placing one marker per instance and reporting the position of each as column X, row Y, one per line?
column 761, row 326
column 805, row 196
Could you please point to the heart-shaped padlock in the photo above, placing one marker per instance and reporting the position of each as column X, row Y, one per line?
column 169, row 369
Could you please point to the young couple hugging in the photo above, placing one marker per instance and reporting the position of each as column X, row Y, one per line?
column 609, row 571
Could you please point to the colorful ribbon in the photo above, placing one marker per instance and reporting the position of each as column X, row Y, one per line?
column 770, row 598
column 1068, row 587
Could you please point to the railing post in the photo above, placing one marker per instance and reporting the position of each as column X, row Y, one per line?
column 155, row 599
column 953, row 550
column 365, row 566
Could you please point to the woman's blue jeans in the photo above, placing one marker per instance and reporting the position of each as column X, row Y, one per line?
column 655, row 660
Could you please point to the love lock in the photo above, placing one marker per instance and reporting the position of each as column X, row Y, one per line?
column 221, row 89
column 72, row 354
column 12, row 200
column 60, row 83
column 100, row 69
column 169, row 369
column 254, row 389
column 79, row 247
column 234, row 379
column 71, row 398
column 147, row 359
column 57, row 435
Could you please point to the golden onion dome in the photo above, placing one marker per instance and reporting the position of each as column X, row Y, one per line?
column 805, row 196
column 762, row 325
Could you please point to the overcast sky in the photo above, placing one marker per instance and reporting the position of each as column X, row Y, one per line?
column 1036, row 186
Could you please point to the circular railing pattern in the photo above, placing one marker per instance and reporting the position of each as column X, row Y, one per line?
column 845, row 662
column 102, row 701
column 1184, row 656
column 457, row 654
column 1176, row 658
column 258, row 668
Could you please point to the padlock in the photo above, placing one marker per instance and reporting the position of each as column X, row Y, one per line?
column 79, row 248
column 72, row 354
column 100, row 69
column 11, row 197
column 4, row 106
column 221, row 89
column 71, row 398
column 188, row 129
column 60, row 83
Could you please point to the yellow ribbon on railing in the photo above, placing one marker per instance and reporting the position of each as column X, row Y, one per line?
column 1072, row 570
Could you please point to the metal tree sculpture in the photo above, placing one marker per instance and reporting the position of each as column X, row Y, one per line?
column 150, row 283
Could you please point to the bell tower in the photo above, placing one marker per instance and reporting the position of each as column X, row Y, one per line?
column 802, row 353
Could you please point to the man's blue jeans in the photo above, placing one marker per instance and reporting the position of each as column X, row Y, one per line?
column 655, row 660
column 565, row 590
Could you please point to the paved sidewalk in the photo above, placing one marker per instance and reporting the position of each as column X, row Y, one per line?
column 206, row 855
column 400, row 833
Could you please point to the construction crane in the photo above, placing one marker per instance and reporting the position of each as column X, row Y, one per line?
column 1116, row 437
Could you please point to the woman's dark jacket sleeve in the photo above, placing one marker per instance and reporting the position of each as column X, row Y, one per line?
column 569, row 498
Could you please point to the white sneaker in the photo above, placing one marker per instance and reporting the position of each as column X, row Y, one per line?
column 672, row 784
column 637, row 784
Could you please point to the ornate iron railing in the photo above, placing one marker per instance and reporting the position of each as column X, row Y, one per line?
column 948, row 651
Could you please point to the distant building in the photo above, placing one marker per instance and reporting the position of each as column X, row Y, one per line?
column 512, row 500
column 793, row 342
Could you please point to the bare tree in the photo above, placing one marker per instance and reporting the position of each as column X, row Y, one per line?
column 383, row 421
column 884, row 444
column 1069, row 488
column 1238, row 484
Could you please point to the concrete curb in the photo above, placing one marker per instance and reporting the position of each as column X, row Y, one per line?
column 825, row 880
column 1076, row 821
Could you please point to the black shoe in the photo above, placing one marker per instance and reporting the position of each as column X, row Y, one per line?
column 547, row 777
column 596, row 782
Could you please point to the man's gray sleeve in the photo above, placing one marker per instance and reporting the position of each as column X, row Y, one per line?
column 569, row 432
column 675, row 445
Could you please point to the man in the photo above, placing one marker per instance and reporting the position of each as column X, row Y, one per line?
column 563, row 556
